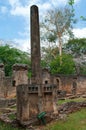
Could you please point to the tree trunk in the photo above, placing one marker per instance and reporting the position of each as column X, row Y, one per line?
column 60, row 48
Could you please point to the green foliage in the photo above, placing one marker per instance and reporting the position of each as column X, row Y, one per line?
column 10, row 56
column 66, row 67
column 29, row 74
column 71, row 2
column 44, row 64
column 76, row 47
column 83, row 18
column 48, row 54
column 4, row 126
column 83, row 69
column 12, row 116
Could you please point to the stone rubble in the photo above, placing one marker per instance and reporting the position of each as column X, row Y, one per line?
column 71, row 107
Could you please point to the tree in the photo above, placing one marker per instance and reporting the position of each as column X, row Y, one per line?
column 48, row 54
column 10, row 56
column 77, row 48
column 67, row 66
column 57, row 24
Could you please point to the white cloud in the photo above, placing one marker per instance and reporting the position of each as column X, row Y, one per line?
column 57, row 3
column 76, row 1
column 14, row 3
column 22, row 44
column 18, row 9
column 21, row 11
column 80, row 33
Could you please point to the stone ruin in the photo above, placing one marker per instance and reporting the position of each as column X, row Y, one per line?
column 5, row 84
column 65, row 84
column 35, row 97
column 40, row 93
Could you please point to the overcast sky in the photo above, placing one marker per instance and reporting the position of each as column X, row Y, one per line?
column 15, row 22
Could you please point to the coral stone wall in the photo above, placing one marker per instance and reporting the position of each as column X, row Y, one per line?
column 81, row 81
column 72, row 84
column 8, row 84
column 20, row 74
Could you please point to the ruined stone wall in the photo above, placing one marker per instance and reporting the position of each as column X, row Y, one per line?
column 9, row 89
column 33, row 104
column 46, row 77
column 20, row 74
column 81, row 84
column 71, row 84
column 48, row 103
column 1, row 86
column 6, row 87
column 65, row 83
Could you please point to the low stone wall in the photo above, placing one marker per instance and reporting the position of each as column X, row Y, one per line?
column 70, row 107
column 4, row 103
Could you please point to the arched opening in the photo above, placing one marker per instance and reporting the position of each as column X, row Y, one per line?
column 13, row 83
column 46, row 81
column 57, row 83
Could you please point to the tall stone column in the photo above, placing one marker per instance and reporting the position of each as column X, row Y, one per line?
column 2, row 79
column 35, row 45
column 35, row 53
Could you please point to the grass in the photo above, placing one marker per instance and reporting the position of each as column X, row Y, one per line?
column 69, row 100
column 75, row 121
column 12, row 116
column 4, row 126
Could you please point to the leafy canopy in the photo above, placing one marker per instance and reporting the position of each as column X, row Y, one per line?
column 10, row 56
column 76, row 47
column 67, row 66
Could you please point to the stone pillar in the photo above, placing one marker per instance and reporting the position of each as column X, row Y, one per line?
column 54, row 100
column 22, row 103
column 20, row 74
column 35, row 45
column 2, row 77
column 2, row 73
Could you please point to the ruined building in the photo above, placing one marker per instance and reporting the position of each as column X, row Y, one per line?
column 39, row 93
column 63, row 83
